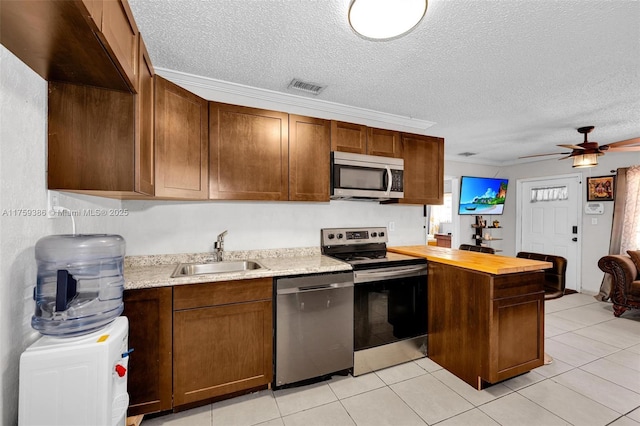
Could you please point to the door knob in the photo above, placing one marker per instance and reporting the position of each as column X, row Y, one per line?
column 574, row 239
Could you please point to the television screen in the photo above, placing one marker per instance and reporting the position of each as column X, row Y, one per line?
column 480, row 195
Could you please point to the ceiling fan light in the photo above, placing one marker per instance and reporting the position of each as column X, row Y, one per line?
column 585, row 160
column 385, row 19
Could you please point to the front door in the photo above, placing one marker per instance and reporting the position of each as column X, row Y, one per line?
column 549, row 220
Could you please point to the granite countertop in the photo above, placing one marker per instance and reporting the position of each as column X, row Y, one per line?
column 155, row 270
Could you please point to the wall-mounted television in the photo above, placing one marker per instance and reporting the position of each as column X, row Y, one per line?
column 479, row 195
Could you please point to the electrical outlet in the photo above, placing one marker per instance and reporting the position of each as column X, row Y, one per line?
column 53, row 204
column 594, row 220
column 392, row 226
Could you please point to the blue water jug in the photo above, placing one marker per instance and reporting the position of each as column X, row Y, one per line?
column 80, row 283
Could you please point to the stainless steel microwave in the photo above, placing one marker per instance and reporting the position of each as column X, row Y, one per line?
column 366, row 177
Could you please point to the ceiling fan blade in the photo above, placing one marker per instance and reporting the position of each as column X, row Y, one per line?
column 634, row 141
column 564, row 158
column 571, row 146
column 623, row 148
column 544, row 155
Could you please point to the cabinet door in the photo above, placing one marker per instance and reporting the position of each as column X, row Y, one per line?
column 309, row 158
column 91, row 134
column 517, row 335
column 144, row 159
column 221, row 349
column 249, row 153
column 348, row 137
column 119, row 34
column 181, row 138
column 94, row 7
column 385, row 143
column 423, row 169
column 150, row 332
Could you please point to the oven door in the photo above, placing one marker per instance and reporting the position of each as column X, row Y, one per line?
column 390, row 305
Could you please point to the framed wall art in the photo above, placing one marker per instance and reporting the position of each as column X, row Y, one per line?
column 600, row 188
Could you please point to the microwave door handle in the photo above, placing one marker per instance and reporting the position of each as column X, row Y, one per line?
column 389, row 180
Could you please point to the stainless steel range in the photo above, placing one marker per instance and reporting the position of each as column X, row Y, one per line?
column 390, row 297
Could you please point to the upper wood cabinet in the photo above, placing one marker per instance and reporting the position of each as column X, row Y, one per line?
column 348, row 137
column 119, row 35
column 309, row 152
column 101, row 141
column 181, row 142
column 385, row 143
column 248, row 153
column 91, row 139
column 423, row 169
column 359, row 139
column 145, row 147
column 90, row 42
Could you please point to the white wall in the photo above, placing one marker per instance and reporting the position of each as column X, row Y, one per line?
column 22, row 157
column 157, row 227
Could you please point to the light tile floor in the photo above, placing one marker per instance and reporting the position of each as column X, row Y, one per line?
column 594, row 380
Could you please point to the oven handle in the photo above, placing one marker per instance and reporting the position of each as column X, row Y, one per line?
column 379, row 275
column 307, row 289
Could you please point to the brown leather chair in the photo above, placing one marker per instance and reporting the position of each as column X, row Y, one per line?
column 481, row 249
column 554, row 277
column 625, row 289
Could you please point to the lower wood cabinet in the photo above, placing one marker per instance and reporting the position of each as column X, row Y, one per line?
column 222, row 339
column 196, row 342
column 485, row 328
column 150, row 334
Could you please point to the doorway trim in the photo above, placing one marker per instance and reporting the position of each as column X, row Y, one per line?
column 519, row 194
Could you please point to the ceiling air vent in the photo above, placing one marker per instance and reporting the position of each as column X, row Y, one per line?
column 306, row 86
column 467, row 154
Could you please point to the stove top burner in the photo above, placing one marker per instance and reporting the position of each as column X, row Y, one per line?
column 362, row 248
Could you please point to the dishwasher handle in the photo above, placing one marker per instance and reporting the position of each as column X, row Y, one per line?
column 310, row 288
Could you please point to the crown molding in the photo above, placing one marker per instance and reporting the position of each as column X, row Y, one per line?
column 224, row 91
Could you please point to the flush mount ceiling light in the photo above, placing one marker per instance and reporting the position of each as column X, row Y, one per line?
column 385, row 19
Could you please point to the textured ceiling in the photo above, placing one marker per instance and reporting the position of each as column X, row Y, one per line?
column 499, row 78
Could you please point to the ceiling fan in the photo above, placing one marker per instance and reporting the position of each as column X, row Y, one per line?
column 586, row 153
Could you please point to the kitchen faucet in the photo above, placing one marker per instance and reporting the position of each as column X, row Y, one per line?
column 218, row 247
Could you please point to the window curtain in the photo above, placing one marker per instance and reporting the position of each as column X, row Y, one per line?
column 626, row 219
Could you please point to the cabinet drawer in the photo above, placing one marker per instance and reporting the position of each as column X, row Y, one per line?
column 221, row 293
column 513, row 285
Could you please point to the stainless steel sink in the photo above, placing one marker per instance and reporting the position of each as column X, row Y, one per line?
column 187, row 269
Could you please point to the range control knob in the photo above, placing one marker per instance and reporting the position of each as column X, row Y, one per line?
column 340, row 236
column 374, row 234
column 382, row 234
column 331, row 236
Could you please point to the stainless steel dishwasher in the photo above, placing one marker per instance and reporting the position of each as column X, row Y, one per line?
column 314, row 326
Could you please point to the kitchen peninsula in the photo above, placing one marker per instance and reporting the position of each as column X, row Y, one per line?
column 485, row 313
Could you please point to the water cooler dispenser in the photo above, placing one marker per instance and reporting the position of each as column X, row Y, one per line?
column 76, row 374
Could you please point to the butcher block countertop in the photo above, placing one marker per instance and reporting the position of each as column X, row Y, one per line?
column 483, row 262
